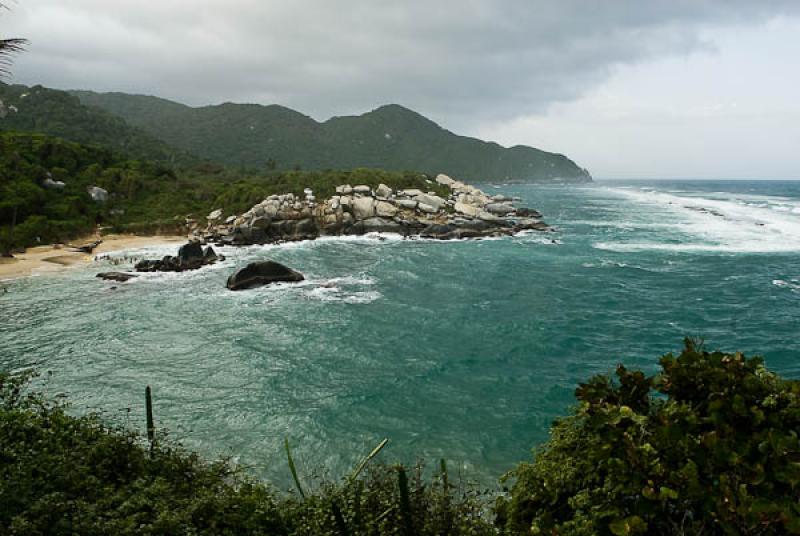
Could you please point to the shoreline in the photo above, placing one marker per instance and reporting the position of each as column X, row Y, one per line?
column 54, row 258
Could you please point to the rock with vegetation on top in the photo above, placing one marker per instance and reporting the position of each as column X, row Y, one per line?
column 257, row 274
column 464, row 212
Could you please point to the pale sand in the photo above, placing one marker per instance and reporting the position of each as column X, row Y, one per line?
column 53, row 258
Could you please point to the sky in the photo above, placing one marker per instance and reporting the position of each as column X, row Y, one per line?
column 626, row 88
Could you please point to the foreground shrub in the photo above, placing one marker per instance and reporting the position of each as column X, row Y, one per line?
column 392, row 500
column 709, row 446
column 61, row 474
column 66, row 475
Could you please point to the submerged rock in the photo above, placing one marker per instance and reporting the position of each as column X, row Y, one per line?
column 257, row 274
column 116, row 276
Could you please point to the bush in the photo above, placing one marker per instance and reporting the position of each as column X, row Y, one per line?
column 65, row 475
column 709, row 446
column 61, row 474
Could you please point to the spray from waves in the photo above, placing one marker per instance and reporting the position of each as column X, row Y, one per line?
column 793, row 284
column 728, row 223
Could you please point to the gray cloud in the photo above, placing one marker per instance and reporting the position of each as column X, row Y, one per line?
column 459, row 61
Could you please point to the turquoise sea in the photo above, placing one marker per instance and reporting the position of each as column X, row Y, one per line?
column 464, row 350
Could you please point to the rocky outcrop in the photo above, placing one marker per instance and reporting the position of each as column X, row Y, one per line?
column 258, row 274
column 116, row 276
column 191, row 256
column 464, row 212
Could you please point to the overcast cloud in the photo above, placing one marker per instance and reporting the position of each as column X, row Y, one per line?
column 474, row 66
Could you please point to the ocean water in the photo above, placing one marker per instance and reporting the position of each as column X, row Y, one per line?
column 459, row 350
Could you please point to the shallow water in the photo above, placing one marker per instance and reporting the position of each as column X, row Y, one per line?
column 464, row 350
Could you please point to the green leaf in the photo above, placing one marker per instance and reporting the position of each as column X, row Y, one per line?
column 628, row 526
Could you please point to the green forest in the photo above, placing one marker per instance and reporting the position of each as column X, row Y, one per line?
column 143, row 196
column 389, row 137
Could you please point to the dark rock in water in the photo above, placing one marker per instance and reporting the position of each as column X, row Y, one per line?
column 210, row 254
column 191, row 251
column 190, row 257
column 524, row 212
column 258, row 274
column 375, row 225
column 116, row 276
column 438, row 230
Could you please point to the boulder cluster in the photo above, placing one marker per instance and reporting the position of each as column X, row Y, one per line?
column 466, row 212
column 191, row 256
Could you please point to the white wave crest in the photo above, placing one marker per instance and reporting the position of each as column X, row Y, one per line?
column 722, row 223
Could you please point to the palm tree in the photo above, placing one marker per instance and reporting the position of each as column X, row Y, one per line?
column 9, row 47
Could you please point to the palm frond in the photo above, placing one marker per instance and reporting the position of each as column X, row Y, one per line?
column 9, row 47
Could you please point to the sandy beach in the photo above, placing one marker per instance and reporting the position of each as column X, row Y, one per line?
column 56, row 257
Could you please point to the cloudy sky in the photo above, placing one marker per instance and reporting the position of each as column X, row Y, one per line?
column 627, row 88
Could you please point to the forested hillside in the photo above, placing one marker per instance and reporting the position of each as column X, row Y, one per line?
column 390, row 137
column 45, row 183
column 57, row 113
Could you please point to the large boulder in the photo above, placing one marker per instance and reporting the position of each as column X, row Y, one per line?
column 424, row 207
column 383, row 191
column 385, row 209
column 377, row 225
column 444, row 180
column 412, row 192
column 431, row 200
column 406, row 203
column 190, row 251
column 257, row 274
column 363, row 208
column 500, row 209
column 469, row 210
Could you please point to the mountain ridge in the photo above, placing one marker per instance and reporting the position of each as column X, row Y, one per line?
column 390, row 136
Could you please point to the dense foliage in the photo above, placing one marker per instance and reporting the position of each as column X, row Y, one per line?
column 390, row 137
column 57, row 113
column 31, row 212
column 143, row 196
column 709, row 446
column 64, row 475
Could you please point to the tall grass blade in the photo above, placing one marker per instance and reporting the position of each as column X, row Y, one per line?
column 337, row 517
column 148, row 402
column 367, row 459
column 357, row 504
column 292, row 468
column 405, row 503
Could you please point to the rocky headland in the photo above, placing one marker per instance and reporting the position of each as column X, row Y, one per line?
column 463, row 212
